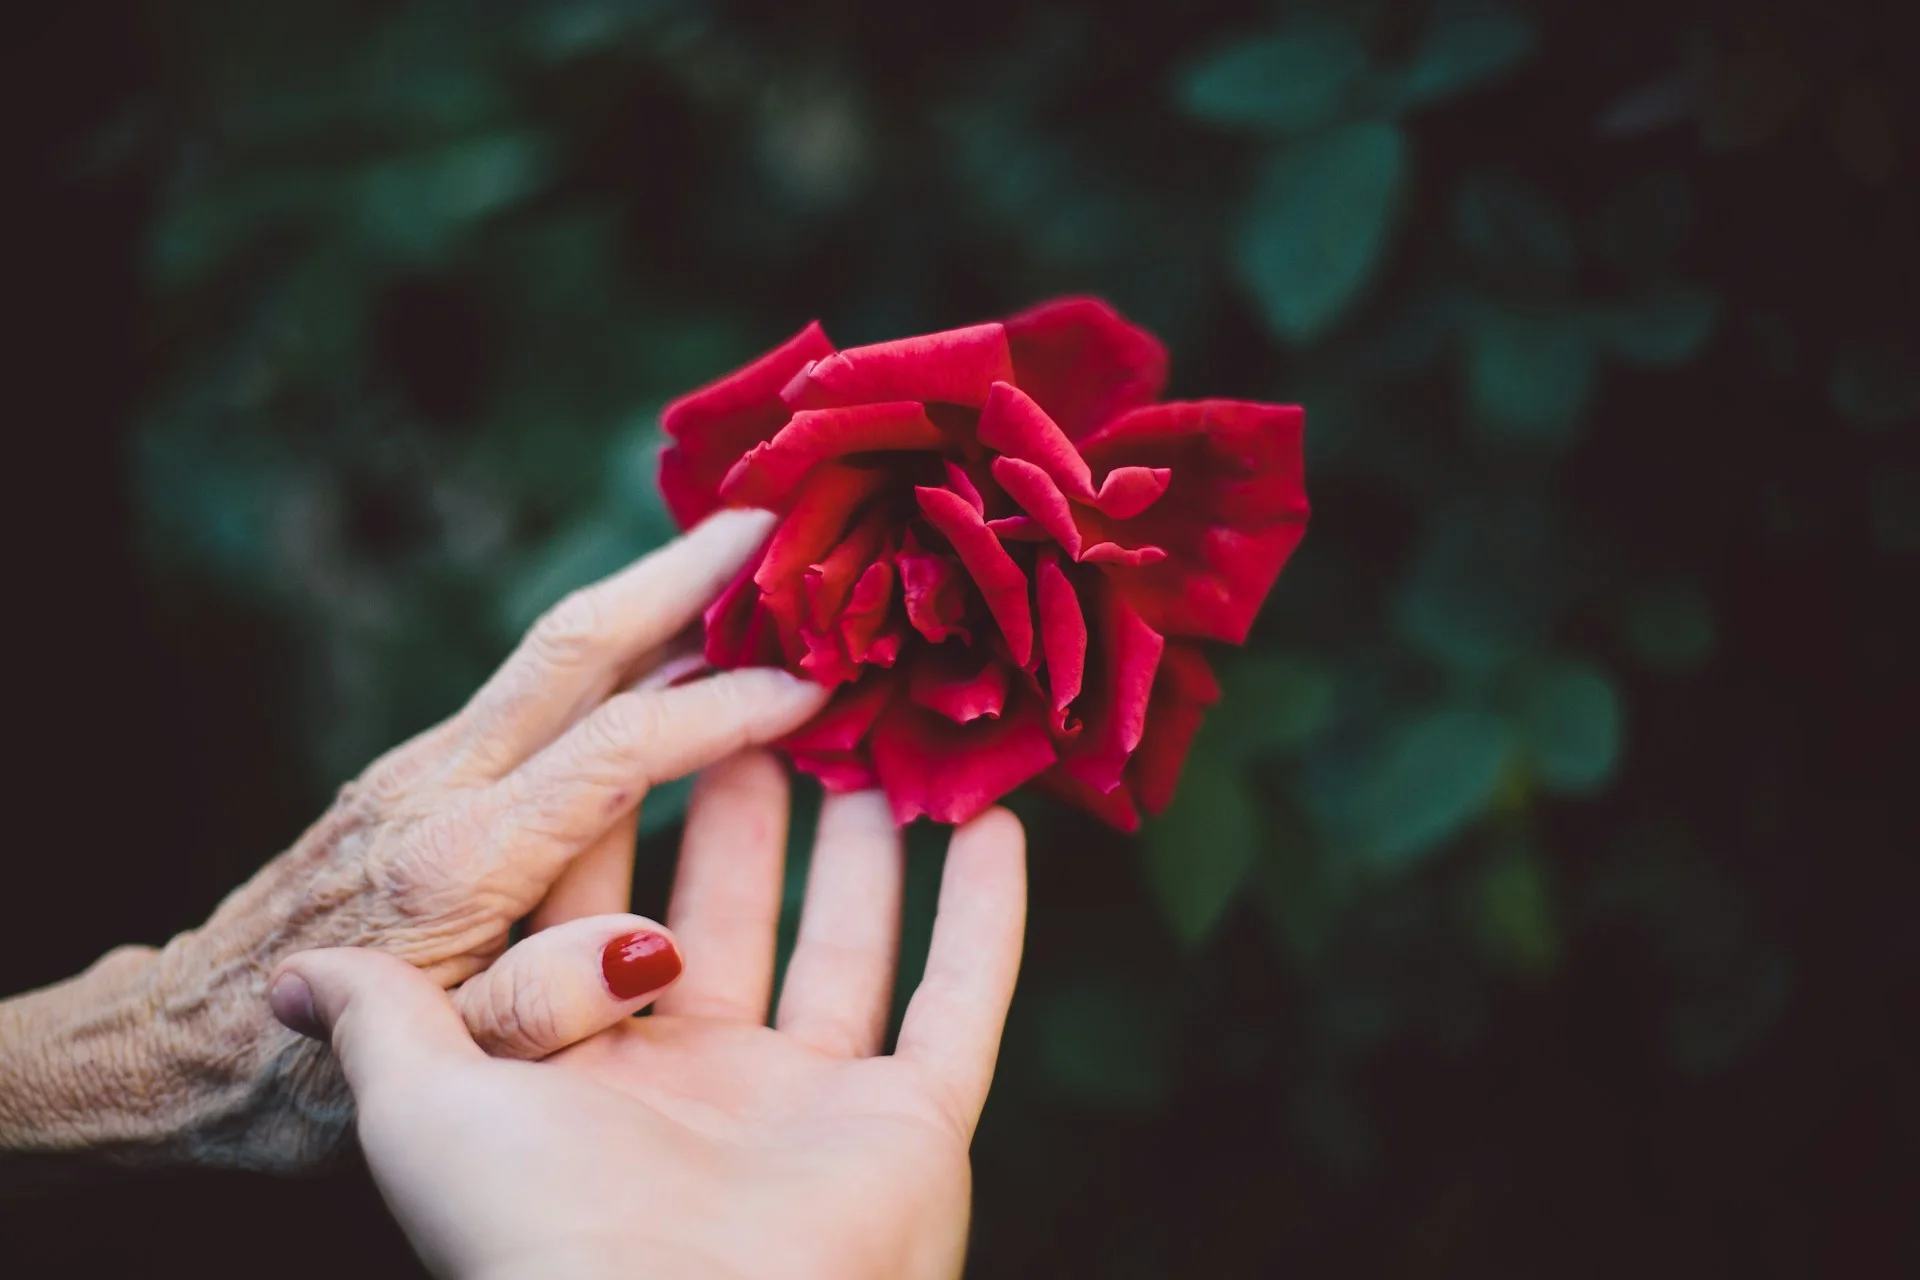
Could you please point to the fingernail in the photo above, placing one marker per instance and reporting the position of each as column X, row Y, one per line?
column 741, row 521
column 636, row 963
column 292, row 1002
column 785, row 684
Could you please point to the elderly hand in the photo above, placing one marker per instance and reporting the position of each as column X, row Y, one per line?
column 524, row 802
column 699, row 1141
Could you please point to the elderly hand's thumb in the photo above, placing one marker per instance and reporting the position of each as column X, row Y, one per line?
column 383, row 1017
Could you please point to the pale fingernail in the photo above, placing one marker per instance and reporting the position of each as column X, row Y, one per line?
column 738, row 522
column 291, row 1000
column 674, row 671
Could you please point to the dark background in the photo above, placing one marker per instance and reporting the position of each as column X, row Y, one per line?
column 1539, row 902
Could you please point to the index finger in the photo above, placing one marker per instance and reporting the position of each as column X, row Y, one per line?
column 581, row 648
column 953, row 1023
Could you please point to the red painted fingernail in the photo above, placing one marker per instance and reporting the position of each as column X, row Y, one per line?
column 636, row 963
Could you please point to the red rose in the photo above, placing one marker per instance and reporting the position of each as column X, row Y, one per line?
column 998, row 547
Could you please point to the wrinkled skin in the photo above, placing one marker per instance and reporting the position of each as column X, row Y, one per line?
column 522, row 803
column 997, row 546
column 701, row 1141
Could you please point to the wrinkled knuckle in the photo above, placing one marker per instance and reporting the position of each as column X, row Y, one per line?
column 524, row 1021
column 571, row 633
column 437, row 855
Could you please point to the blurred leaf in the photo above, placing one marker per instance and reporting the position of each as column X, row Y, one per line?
column 1434, row 776
column 1199, row 850
column 583, row 554
column 1643, row 224
column 1096, row 1044
column 1467, row 45
column 1318, row 225
column 1876, row 385
column 1895, row 500
column 1273, row 702
column 1514, row 918
column 1710, row 1027
column 1529, row 375
column 1667, row 327
column 413, row 205
column 1513, row 230
column 1485, row 585
column 1291, row 82
column 665, row 805
column 1570, row 716
column 1670, row 627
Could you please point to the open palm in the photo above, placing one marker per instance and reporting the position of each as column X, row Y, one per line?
column 701, row 1140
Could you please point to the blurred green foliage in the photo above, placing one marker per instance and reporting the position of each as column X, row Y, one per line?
column 423, row 272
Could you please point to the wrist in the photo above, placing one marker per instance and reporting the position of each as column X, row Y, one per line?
column 74, row 1061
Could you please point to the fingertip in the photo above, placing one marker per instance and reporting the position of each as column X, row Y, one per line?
column 998, row 825
column 291, row 1000
column 745, row 525
column 641, row 962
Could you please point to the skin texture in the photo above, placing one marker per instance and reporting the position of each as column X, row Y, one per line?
column 700, row 1141
column 522, row 803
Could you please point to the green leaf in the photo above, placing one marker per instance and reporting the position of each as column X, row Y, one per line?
column 584, row 553
column 1198, row 851
column 414, row 205
column 1466, row 46
column 1512, row 229
column 1667, row 327
column 1435, row 776
column 1485, row 585
column 1570, row 715
column 1876, row 385
column 1095, row 1048
column 665, row 805
column 1645, row 223
column 1273, row 702
column 1318, row 225
column 1292, row 82
column 1513, row 914
column 1670, row 627
column 1529, row 375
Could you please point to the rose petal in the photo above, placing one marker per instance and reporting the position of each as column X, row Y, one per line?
column 713, row 426
column 963, row 485
column 954, row 367
column 885, row 649
column 1233, row 512
column 934, row 590
column 1083, row 363
column 866, row 614
column 1114, row 553
column 844, row 721
column 953, row 772
column 987, row 563
column 1181, row 694
column 1127, row 491
column 1063, row 636
column 1018, row 428
column 822, row 509
column 830, row 582
column 1115, row 807
column 739, row 631
column 825, row 659
column 1031, row 487
column 961, row 684
column 1019, row 529
column 770, row 470
column 838, row 771
column 1128, row 657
